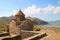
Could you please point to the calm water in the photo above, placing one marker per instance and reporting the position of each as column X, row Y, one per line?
column 50, row 25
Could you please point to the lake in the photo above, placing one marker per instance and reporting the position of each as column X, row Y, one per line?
column 50, row 25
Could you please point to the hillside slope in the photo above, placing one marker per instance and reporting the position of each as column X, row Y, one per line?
column 35, row 21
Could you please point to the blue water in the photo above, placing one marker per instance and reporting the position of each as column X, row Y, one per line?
column 50, row 25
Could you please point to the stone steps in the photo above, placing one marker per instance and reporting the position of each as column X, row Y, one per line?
column 3, row 37
column 39, row 37
column 36, row 37
column 16, row 37
column 4, row 34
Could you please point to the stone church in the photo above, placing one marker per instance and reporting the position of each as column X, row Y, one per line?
column 20, row 28
column 19, row 22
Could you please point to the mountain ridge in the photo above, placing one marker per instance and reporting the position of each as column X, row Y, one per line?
column 35, row 21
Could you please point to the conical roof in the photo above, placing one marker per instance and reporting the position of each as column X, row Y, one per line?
column 20, row 13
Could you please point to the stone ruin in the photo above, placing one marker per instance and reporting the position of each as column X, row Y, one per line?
column 18, row 23
column 22, row 27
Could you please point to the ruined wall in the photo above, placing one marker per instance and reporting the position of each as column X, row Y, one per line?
column 13, row 38
column 26, row 34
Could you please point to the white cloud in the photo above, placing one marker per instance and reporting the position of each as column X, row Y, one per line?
column 15, row 11
column 32, row 9
column 48, row 9
column 40, row 11
column 35, row 10
column 57, row 10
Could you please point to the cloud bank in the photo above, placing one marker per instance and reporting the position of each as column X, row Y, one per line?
column 47, row 10
column 34, row 10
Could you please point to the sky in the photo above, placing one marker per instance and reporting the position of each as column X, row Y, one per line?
column 48, row 10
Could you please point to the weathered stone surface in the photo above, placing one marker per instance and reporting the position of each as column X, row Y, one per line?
column 20, row 23
column 12, row 28
column 27, row 25
column 20, row 16
column 20, row 13
column 27, row 34
column 13, row 38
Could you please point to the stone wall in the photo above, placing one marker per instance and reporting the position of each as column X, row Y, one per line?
column 13, row 38
column 26, row 34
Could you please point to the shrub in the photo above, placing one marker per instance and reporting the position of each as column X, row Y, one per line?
column 37, row 28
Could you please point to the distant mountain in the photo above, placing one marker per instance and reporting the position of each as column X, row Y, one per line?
column 5, row 19
column 35, row 21
column 54, row 23
column 57, row 21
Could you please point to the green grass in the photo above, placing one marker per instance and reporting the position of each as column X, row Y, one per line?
column 37, row 28
column 2, row 26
